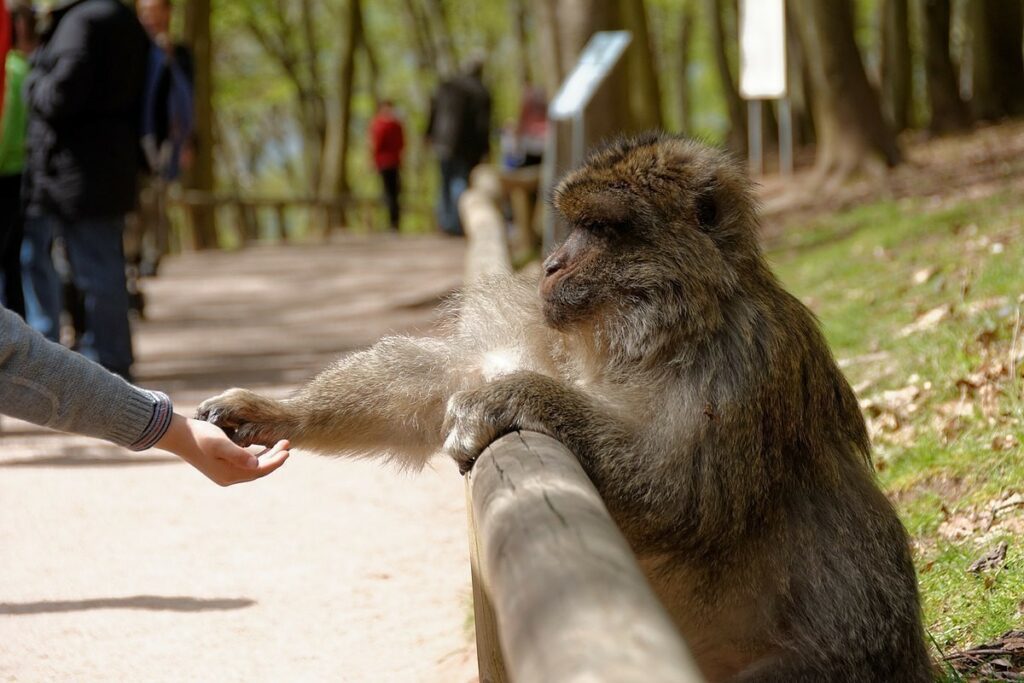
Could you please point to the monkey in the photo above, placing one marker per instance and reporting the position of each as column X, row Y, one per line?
column 699, row 396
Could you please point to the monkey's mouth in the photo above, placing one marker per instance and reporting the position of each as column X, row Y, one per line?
column 554, row 281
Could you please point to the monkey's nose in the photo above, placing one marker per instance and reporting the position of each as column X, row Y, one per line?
column 553, row 265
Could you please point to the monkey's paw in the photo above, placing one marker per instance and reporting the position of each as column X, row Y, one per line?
column 473, row 420
column 246, row 417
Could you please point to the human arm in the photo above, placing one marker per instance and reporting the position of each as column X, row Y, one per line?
column 64, row 89
column 49, row 385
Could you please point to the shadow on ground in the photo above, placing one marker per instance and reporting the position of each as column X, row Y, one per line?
column 159, row 603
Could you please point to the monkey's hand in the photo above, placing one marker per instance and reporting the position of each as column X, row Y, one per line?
column 475, row 418
column 246, row 417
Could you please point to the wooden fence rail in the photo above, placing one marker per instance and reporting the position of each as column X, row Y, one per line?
column 324, row 213
column 558, row 594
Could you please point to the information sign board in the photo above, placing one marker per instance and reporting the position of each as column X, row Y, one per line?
column 762, row 49
column 601, row 53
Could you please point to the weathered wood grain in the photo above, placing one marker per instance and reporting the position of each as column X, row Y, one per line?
column 570, row 599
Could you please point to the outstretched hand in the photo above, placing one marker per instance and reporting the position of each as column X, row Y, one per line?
column 209, row 450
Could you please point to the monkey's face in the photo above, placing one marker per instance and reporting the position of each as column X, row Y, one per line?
column 661, row 229
column 570, row 289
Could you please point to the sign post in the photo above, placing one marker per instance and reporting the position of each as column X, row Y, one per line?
column 763, row 76
column 601, row 53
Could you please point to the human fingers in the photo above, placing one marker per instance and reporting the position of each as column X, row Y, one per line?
column 226, row 450
column 271, row 463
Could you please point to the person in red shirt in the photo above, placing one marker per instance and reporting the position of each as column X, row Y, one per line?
column 386, row 143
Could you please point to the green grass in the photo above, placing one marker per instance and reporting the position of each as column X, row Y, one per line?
column 856, row 270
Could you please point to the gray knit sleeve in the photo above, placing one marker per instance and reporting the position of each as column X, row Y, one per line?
column 46, row 384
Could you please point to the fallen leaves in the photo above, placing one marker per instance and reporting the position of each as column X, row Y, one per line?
column 994, row 559
column 982, row 523
column 927, row 321
column 887, row 414
column 1000, row 660
column 1004, row 442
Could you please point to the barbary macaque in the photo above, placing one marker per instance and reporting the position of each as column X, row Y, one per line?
column 699, row 396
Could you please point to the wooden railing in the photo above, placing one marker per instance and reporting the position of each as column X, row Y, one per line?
column 250, row 213
column 558, row 594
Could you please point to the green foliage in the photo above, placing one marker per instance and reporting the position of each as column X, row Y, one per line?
column 261, row 144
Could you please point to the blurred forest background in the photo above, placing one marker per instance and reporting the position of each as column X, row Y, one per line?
column 286, row 88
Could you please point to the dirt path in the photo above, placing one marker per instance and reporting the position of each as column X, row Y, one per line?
column 124, row 567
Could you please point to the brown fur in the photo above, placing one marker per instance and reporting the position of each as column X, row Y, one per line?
column 699, row 396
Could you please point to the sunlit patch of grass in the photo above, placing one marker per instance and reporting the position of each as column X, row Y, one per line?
column 868, row 274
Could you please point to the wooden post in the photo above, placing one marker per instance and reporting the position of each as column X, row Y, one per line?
column 570, row 599
column 487, row 254
column 521, row 186
column 485, row 226
column 281, row 221
column 201, row 176
column 489, row 661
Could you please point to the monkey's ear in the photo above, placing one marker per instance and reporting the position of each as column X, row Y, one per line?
column 707, row 209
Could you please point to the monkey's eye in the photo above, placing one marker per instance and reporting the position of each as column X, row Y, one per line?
column 707, row 211
column 605, row 228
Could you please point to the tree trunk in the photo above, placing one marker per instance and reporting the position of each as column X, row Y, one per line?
column 948, row 111
column 426, row 55
column 200, row 177
column 519, row 19
column 998, row 64
column 682, row 67
column 737, row 109
column 798, row 74
column 549, row 42
column 271, row 28
column 643, row 89
column 372, row 66
column 852, row 133
column 437, row 18
column 895, row 63
column 334, row 181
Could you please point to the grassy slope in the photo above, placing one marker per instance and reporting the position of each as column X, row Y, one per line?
column 944, row 433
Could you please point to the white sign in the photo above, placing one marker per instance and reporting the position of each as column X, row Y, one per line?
column 601, row 53
column 762, row 49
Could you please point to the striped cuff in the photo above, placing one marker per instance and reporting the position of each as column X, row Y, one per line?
column 163, row 410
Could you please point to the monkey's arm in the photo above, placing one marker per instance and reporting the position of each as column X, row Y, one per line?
column 386, row 400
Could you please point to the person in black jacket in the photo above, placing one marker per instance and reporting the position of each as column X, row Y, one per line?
column 459, row 130
column 84, row 96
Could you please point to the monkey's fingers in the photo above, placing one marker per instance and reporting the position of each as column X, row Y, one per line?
column 218, row 418
column 457, row 447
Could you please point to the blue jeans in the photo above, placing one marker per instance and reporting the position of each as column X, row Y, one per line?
column 454, row 181
column 96, row 256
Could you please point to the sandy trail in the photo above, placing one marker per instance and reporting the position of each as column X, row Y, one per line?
column 123, row 567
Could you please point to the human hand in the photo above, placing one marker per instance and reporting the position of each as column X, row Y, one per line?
column 209, row 450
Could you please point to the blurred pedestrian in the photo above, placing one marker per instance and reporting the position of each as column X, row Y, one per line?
column 167, row 127
column 532, row 127
column 386, row 143
column 459, row 130
column 84, row 94
column 12, row 153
